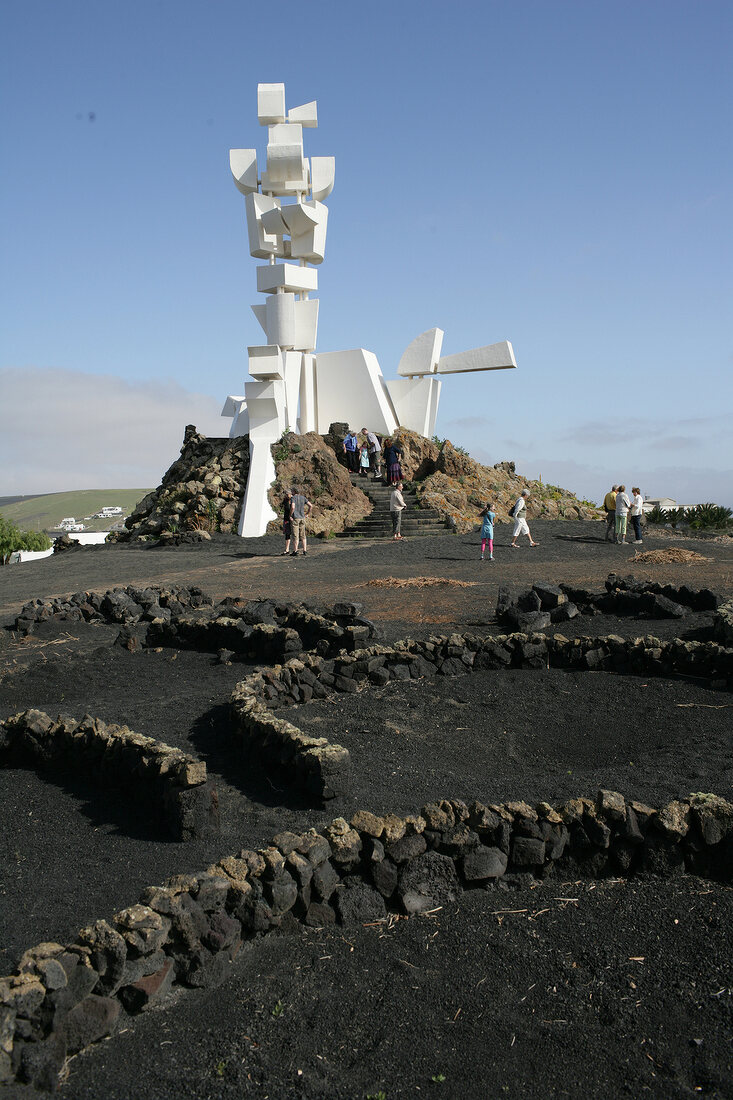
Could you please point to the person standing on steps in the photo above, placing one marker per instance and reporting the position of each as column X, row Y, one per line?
column 396, row 508
column 351, row 450
column 300, row 507
column 637, row 510
column 392, row 457
column 622, row 510
column 287, row 523
column 375, row 452
column 609, row 505
column 487, row 530
column 519, row 515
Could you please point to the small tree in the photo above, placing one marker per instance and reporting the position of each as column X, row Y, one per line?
column 12, row 539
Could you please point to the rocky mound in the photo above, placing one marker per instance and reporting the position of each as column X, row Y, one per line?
column 204, row 488
column 458, row 487
column 308, row 462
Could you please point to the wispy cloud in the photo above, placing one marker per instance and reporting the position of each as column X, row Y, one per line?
column 64, row 429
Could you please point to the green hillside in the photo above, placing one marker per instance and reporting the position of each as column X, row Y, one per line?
column 44, row 512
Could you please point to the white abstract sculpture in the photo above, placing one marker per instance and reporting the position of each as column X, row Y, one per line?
column 294, row 388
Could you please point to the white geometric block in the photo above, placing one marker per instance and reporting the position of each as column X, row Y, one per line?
column 232, row 405
column 261, row 243
column 285, row 153
column 311, row 245
column 293, row 364
column 236, row 407
column 492, row 357
column 265, row 363
column 415, row 402
column 306, row 324
column 287, row 276
column 350, row 387
column 260, row 312
column 301, row 217
column 422, row 355
column 266, row 408
column 243, row 163
column 286, row 187
column 273, row 224
column 308, row 421
column 323, row 174
column 306, row 114
column 270, row 104
column 280, row 320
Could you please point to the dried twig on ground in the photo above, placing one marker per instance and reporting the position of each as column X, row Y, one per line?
column 674, row 554
column 414, row 582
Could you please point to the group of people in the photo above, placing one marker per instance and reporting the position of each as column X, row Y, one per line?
column 618, row 508
column 365, row 456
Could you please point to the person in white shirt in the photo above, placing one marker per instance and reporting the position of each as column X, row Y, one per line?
column 396, row 508
column 622, row 510
column 637, row 510
column 521, row 527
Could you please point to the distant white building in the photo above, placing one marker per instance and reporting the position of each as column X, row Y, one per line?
column 659, row 502
column 110, row 511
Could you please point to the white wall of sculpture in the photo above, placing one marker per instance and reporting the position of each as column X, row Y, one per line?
column 292, row 387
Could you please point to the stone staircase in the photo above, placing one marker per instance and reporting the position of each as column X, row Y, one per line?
column 378, row 525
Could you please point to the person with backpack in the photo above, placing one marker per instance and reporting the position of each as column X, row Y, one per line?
column 623, row 504
column 519, row 515
column 351, row 450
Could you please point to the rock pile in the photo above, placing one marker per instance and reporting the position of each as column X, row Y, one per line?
column 204, row 488
column 186, row 933
column 458, row 487
column 116, row 605
column 544, row 604
column 310, row 464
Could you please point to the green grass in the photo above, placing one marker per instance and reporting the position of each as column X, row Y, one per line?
column 44, row 512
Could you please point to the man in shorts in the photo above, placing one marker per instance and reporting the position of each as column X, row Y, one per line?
column 300, row 507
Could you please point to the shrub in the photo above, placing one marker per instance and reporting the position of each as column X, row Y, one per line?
column 12, row 539
column 711, row 516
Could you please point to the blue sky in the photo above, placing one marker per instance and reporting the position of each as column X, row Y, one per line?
column 556, row 174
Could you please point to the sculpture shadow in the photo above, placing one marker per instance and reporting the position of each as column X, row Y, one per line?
column 594, row 539
column 213, row 737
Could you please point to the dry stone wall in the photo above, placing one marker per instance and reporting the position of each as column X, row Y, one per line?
column 724, row 624
column 168, row 782
column 186, row 933
column 324, row 769
column 543, row 604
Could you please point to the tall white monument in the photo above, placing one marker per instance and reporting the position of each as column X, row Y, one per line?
column 293, row 387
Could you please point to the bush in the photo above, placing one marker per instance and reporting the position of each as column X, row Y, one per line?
column 702, row 517
column 710, row 516
column 12, row 539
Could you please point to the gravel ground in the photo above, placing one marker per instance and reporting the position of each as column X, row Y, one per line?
column 491, row 1002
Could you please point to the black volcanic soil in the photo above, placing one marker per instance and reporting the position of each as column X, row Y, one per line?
column 545, row 999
